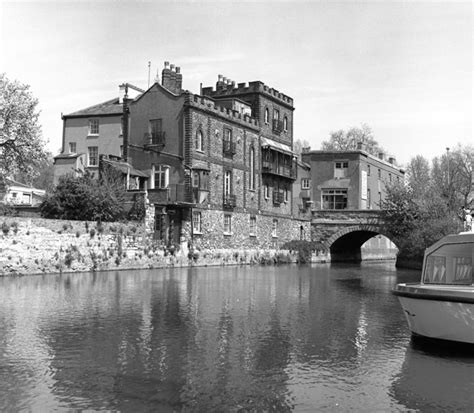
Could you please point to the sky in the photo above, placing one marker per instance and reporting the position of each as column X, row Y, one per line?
column 402, row 67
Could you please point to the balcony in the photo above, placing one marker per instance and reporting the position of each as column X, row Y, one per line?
column 228, row 149
column 155, row 139
column 229, row 201
column 277, row 126
column 173, row 195
column 278, row 198
column 281, row 170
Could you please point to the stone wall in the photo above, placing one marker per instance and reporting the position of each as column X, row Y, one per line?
column 36, row 245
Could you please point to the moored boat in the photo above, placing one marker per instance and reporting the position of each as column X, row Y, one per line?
column 441, row 305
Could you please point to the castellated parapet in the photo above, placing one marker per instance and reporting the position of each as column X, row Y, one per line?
column 200, row 102
column 226, row 88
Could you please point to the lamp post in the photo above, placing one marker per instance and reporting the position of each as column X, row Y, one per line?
column 447, row 157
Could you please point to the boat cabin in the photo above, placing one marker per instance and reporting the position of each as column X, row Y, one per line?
column 449, row 261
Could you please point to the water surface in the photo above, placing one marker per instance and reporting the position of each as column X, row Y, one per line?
column 288, row 338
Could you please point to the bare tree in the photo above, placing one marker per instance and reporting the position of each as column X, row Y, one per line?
column 347, row 141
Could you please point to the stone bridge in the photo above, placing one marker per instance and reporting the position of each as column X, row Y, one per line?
column 343, row 232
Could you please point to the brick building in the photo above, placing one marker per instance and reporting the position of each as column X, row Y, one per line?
column 221, row 165
column 350, row 179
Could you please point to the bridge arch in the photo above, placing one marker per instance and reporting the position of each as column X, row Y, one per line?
column 345, row 244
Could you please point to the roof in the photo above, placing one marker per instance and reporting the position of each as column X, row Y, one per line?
column 68, row 155
column 125, row 168
column 280, row 147
column 13, row 183
column 108, row 108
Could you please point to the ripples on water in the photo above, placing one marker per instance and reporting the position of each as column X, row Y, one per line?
column 320, row 338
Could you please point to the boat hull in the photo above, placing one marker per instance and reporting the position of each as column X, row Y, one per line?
column 444, row 314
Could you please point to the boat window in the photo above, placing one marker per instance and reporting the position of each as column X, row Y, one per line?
column 462, row 270
column 435, row 270
column 449, row 264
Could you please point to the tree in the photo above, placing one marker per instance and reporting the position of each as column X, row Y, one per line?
column 43, row 178
column 21, row 143
column 85, row 198
column 348, row 141
column 300, row 145
column 418, row 177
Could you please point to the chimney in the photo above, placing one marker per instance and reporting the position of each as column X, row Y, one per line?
column 392, row 160
column 170, row 77
column 122, row 92
column 360, row 146
column 220, row 82
column 381, row 155
column 179, row 80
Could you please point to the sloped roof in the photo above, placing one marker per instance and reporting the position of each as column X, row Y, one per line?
column 125, row 168
column 110, row 107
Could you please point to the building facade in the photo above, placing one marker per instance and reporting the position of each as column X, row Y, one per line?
column 220, row 163
column 350, row 179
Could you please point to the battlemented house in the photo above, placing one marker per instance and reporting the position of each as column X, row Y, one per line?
column 218, row 168
column 220, row 164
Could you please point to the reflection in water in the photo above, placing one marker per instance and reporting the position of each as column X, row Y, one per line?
column 219, row 339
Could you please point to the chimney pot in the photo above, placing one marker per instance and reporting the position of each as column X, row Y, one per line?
column 380, row 155
column 178, row 69
column 224, row 79
column 172, row 66
column 219, row 78
column 167, row 64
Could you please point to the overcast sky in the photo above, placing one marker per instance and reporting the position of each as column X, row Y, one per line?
column 404, row 68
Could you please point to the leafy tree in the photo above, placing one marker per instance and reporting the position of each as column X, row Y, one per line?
column 85, row 198
column 418, row 176
column 347, row 141
column 43, row 179
column 21, row 143
column 300, row 145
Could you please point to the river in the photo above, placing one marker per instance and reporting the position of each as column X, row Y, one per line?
column 222, row 339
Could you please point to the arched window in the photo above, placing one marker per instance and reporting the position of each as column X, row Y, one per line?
column 252, row 169
column 199, row 141
column 285, row 124
column 267, row 115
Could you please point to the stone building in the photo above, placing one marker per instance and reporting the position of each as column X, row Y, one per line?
column 350, row 179
column 221, row 165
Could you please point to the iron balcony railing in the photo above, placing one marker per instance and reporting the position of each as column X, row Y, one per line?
column 228, row 148
column 229, row 201
column 277, row 126
column 278, row 198
column 155, row 139
column 173, row 194
column 281, row 170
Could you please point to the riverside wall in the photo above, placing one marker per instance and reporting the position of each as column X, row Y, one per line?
column 38, row 246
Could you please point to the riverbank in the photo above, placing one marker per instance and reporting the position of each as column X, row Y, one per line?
column 39, row 246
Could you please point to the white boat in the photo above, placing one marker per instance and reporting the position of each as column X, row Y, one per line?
column 441, row 306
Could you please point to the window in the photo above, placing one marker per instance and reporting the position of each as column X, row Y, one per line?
column 227, row 224
column 267, row 116
column 340, row 169
column 275, row 228
column 285, row 194
column 162, row 176
column 155, row 128
column 369, row 201
column 227, row 146
column 196, row 222
column 379, row 173
column 305, row 183
column 252, row 169
column 266, row 191
column 198, row 143
column 253, row 226
column 276, row 114
column 26, row 199
column 227, row 182
column 334, row 198
column 93, row 155
column 93, row 126
column 72, row 147
column 285, row 124
column 368, row 170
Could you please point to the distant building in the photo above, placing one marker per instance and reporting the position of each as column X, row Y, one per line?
column 18, row 194
column 350, row 179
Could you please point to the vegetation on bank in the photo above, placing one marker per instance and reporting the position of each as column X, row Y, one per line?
column 429, row 205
